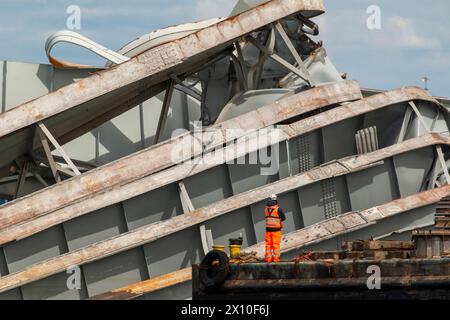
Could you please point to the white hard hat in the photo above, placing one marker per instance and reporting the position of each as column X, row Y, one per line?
column 273, row 197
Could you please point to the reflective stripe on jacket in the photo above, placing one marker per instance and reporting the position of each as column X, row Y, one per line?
column 273, row 219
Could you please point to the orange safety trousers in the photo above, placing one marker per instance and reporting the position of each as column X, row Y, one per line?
column 273, row 242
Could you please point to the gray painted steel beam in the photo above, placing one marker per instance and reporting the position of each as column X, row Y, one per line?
column 48, row 154
column 240, row 57
column 161, row 229
column 185, row 199
column 438, row 149
column 322, row 231
column 60, row 150
column 164, row 111
column 254, row 74
column 294, row 52
column 405, row 124
column 22, row 178
column 151, row 182
column 443, row 164
column 159, row 157
column 40, row 179
column 279, row 60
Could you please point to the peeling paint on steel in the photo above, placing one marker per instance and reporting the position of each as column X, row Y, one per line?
column 124, row 171
column 351, row 221
column 45, row 218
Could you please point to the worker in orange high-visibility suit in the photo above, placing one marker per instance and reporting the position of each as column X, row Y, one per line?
column 274, row 224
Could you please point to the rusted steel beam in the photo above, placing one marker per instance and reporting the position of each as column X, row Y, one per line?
column 156, row 64
column 340, row 269
column 363, row 245
column 324, row 230
column 27, row 228
column 340, row 167
column 426, row 233
column 123, row 179
column 353, row 221
column 372, row 254
column 334, row 283
column 141, row 288
column 134, row 167
column 341, row 280
column 25, row 224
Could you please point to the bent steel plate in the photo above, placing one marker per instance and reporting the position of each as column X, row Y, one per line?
column 161, row 156
column 161, row 229
column 96, row 189
column 66, row 110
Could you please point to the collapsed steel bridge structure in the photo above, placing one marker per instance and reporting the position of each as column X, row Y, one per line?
column 251, row 92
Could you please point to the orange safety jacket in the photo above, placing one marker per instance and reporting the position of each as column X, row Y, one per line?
column 273, row 219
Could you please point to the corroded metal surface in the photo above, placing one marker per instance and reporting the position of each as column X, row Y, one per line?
column 400, row 277
column 309, row 284
column 340, row 269
column 72, row 110
column 136, row 290
column 321, row 231
column 362, row 245
column 435, row 241
column 341, row 167
column 132, row 175
column 123, row 172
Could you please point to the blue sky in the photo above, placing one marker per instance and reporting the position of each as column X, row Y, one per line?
column 414, row 39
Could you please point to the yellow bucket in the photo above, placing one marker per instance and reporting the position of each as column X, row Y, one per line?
column 235, row 249
column 219, row 247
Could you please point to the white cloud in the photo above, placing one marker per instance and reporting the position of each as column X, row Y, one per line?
column 206, row 9
column 402, row 32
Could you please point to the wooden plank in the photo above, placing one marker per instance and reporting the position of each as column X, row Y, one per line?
column 325, row 230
